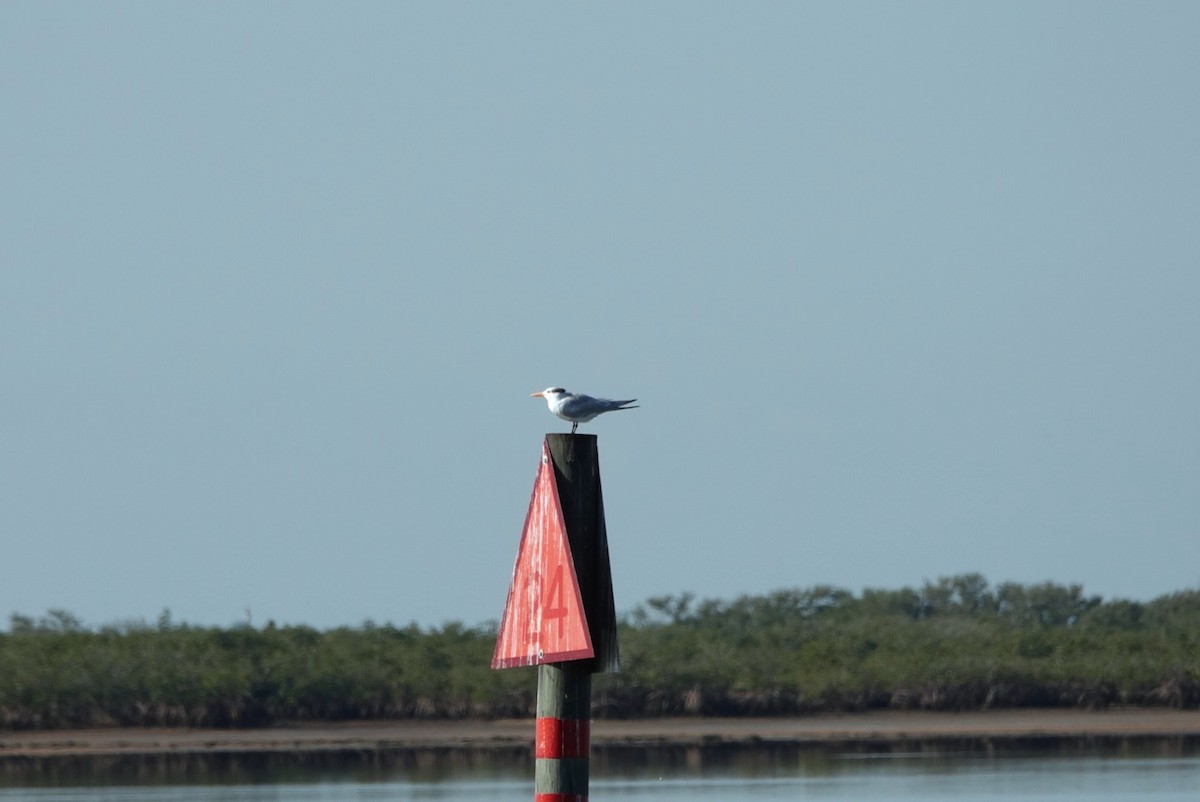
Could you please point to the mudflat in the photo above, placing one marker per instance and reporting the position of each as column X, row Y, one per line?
column 385, row 735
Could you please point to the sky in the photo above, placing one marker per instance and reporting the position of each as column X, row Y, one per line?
column 905, row 290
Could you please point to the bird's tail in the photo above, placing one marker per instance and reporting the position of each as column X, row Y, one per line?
column 622, row 404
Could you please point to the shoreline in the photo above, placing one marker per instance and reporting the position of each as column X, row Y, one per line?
column 380, row 736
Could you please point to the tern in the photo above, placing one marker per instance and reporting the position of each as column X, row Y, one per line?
column 578, row 408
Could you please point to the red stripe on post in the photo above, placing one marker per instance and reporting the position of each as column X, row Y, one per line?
column 559, row 798
column 562, row 737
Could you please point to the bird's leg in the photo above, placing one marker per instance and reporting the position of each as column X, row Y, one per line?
column 574, row 426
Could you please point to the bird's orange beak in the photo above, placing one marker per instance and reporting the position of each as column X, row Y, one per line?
column 538, row 394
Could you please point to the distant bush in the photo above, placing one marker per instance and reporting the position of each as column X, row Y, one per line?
column 954, row 644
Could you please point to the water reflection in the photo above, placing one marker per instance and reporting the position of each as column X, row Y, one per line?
column 706, row 759
column 249, row 768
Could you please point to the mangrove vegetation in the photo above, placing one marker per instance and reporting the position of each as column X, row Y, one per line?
column 953, row 644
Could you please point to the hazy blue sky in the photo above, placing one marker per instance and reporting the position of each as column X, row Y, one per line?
column 905, row 290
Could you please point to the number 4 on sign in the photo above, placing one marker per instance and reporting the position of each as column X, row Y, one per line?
column 543, row 622
column 554, row 609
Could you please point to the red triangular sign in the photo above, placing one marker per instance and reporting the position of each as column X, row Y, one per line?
column 544, row 621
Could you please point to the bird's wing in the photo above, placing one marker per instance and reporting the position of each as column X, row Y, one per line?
column 583, row 405
column 608, row 405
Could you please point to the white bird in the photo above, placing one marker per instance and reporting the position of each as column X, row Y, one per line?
column 578, row 408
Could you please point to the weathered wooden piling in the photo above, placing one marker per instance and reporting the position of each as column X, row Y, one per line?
column 568, row 632
column 563, row 732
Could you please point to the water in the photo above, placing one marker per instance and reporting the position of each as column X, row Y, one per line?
column 1107, row 770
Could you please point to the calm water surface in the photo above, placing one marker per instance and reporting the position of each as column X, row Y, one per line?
column 1132, row 771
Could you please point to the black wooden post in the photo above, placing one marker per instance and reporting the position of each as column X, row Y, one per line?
column 565, row 689
column 577, row 473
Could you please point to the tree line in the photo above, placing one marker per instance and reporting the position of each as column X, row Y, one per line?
column 953, row 644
